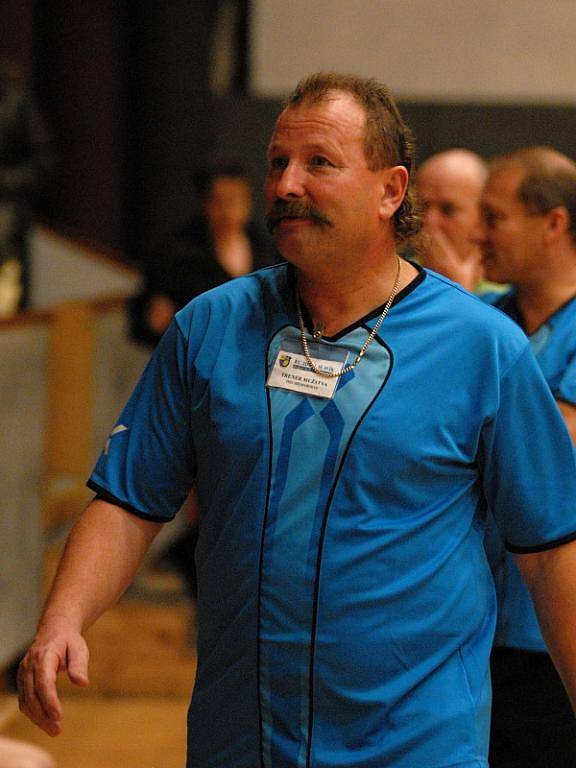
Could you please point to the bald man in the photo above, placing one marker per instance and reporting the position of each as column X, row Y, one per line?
column 528, row 239
column 449, row 186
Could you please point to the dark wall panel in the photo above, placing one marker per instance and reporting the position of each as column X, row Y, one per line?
column 18, row 34
column 491, row 129
column 169, row 123
column 80, row 83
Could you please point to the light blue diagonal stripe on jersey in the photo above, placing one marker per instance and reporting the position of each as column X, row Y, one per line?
column 309, row 438
column 335, row 424
column 292, row 421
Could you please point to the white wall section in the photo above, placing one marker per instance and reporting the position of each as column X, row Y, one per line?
column 433, row 50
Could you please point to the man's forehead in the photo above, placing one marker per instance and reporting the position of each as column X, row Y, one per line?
column 502, row 184
column 338, row 113
column 446, row 189
column 448, row 181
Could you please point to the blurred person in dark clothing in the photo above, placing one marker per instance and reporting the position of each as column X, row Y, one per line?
column 220, row 243
column 26, row 159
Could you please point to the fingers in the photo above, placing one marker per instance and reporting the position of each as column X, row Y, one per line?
column 37, row 675
column 37, row 692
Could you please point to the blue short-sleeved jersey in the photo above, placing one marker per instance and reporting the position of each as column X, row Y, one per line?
column 554, row 345
column 346, row 608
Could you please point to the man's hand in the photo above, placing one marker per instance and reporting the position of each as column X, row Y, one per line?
column 159, row 314
column 441, row 256
column 18, row 754
column 100, row 558
column 52, row 651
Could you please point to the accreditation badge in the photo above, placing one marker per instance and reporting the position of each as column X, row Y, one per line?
column 292, row 372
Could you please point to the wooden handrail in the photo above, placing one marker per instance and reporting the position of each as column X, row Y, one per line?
column 89, row 248
column 33, row 316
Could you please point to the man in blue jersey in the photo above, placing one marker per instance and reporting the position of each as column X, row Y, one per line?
column 347, row 419
column 529, row 240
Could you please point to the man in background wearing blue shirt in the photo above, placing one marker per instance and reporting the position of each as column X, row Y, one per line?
column 528, row 240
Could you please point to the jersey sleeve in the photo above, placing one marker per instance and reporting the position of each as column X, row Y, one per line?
column 528, row 463
column 148, row 463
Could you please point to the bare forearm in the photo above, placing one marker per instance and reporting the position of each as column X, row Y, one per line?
column 551, row 578
column 101, row 557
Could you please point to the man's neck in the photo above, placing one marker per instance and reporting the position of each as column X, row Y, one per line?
column 537, row 301
column 334, row 303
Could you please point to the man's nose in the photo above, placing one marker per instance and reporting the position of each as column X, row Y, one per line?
column 478, row 233
column 291, row 182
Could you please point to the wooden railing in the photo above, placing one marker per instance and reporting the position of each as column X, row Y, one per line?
column 64, row 375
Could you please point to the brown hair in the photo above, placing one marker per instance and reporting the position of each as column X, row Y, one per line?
column 549, row 181
column 388, row 140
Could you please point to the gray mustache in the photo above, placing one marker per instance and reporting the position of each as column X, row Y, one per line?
column 294, row 209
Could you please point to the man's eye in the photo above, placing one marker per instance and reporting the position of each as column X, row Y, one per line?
column 448, row 209
column 278, row 163
column 318, row 160
column 491, row 218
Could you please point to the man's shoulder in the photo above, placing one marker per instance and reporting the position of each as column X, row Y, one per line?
column 243, row 295
column 496, row 296
column 473, row 305
column 474, row 320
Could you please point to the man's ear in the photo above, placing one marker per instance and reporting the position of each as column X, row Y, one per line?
column 394, row 186
column 557, row 223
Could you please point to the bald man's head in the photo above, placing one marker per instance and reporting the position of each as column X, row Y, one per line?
column 449, row 186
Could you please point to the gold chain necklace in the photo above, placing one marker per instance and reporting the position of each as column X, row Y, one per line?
column 363, row 348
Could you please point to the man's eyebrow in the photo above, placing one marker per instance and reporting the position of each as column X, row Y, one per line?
column 313, row 146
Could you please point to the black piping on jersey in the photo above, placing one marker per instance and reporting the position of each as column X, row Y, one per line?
column 321, row 547
column 541, row 547
column 412, row 285
column 102, row 493
column 261, row 558
column 509, row 302
column 323, row 527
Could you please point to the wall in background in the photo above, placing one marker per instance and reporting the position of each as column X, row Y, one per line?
column 516, row 51
column 80, row 83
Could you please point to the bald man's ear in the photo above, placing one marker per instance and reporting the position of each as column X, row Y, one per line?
column 395, row 184
column 558, row 223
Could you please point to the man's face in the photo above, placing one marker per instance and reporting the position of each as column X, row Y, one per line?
column 322, row 200
column 450, row 202
column 228, row 203
column 511, row 237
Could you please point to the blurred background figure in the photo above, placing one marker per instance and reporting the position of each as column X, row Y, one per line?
column 449, row 185
column 19, row 754
column 220, row 243
column 26, row 160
